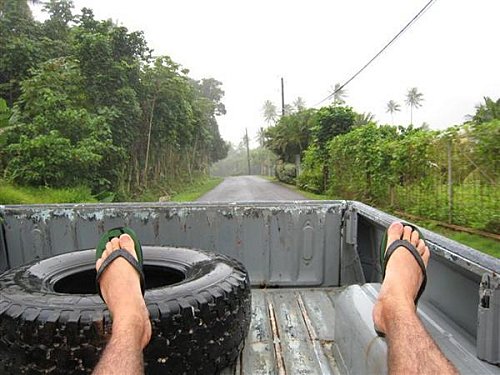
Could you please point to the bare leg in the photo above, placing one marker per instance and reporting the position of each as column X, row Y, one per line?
column 131, row 330
column 411, row 349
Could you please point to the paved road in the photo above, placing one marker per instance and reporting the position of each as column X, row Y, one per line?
column 249, row 188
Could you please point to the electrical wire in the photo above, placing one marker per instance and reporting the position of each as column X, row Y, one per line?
column 412, row 21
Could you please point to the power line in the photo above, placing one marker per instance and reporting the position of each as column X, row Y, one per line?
column 412, row 21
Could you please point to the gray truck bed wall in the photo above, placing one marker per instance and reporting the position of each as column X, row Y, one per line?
column 280, row 244
column 292, row 244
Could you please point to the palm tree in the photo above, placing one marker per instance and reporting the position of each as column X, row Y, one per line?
column 289, row 109
column 361, row 119
column 339, row 95
column 269, row 111
column 486, row 112
column 414, row 99
column 299, row 104
column 261, row 136
column 392, row 107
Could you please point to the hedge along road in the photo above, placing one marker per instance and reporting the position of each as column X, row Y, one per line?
column 249, row 188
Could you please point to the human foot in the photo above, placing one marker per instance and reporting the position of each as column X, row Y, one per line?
column 121, row 290
column 403, row 277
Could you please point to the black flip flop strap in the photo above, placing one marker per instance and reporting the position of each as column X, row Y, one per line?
column 120, row 253
column 413, row 250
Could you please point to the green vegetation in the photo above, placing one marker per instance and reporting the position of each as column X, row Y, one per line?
column 12, row 194
column 181, row 190
column 197, row 190
column 84, row 103
column 305, row 193
column 348, row 156
column 480, row 243
column 184, row 192
column 483, row 244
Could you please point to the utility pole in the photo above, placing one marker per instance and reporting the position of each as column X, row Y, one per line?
column 248, row 151
column 282, row 97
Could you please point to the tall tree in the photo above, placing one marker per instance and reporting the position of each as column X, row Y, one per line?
column 392, row 107
column 299, row 104
column 331, row 122
column 261, row 136
column 365, row 118
column 55, row 140
column 291, row 135
column 414, row 100
column 289, row 109
column 19, row 47
column 339, row 95
column 269, row 111
column 211, row 89
column 486, row 112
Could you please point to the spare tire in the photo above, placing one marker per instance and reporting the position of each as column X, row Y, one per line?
column 53, row 322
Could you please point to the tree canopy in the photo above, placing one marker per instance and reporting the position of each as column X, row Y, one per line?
column 88, row 104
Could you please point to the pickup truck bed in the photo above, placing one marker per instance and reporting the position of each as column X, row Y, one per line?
column 329, row 331
column 314, row 269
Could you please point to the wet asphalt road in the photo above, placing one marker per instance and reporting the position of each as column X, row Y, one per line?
column 249, row 188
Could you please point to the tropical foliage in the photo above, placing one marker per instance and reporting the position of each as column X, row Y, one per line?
column 393, row 107
column 82, row 102
column 348, row 156
column 413, row 100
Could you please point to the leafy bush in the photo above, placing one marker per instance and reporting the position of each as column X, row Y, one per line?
column 286, row 172
column 56, row 141
column 311, row 176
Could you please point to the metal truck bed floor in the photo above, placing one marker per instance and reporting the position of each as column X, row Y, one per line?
column 329, row 331
column 291, row 333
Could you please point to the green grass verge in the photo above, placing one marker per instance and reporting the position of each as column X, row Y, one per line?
column 12, row 194
column 197, row 189
column 307, row 194
column 480, row 243
column 184, row 192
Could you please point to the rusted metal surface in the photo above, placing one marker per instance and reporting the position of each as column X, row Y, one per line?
column 303, row 237
column 286, row 337
column 282, row 244
column 329, row 331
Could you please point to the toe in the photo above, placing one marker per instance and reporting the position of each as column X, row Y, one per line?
column 127, row 243
column 415, row 237
column 115, row 243
column 407, row 231
column 394, row 232
column 98, row 263
column 420, row 245
column 426, row 255
column 109, row 246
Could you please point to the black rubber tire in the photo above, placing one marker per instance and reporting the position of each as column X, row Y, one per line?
column 199, row 323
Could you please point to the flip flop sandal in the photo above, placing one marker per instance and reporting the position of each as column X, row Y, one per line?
column 386, row 254
column 120, row 253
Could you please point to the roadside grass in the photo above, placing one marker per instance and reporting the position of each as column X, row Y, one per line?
column 305, row 193
column 485, row 245
column 197, row 189
column 13, row 194
column 480, row 243
column 181, row 191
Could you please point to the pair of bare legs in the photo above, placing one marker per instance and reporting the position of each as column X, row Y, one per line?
column 411, row 349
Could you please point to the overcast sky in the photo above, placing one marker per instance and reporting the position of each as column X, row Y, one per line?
column 450, row 54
